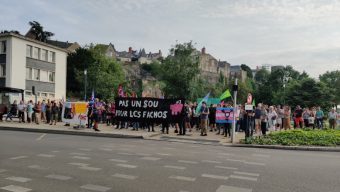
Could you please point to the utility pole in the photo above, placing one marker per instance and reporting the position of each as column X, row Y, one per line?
column 235, row 88
column 85, row 78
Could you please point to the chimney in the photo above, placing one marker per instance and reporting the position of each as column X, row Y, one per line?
column 130, row 49
column 203, row 50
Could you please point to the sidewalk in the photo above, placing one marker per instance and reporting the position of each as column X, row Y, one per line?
column 110, row 131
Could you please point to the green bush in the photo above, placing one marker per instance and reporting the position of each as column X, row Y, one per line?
column 326, row 137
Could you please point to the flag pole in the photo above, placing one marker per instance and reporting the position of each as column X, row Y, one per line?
column 234, row 110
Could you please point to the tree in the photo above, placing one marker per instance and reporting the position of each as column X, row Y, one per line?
column 38, row 31
column 246, row 68
column 332, row 80
column 180, row 70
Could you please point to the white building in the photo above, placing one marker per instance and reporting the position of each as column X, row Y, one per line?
column 25, row 62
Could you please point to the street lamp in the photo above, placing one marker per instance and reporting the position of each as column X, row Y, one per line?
column 85, row 78
column 286, row 77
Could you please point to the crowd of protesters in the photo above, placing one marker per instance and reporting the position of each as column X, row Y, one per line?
column 45, row 111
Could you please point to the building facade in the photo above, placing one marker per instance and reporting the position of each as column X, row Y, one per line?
column 25, row 62
column 237, row 72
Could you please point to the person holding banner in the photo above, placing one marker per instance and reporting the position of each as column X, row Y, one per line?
column 204, row 112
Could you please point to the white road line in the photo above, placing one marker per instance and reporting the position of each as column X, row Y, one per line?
column 151, row 158
column 189, row 162
column 143, row 154
column 90, row 168
column 236, row 160
column 85, row 149
column 164, row 154
column 182, row 178
column 80, row 157
column 123, row 176
column 174, row 167
column 46, row 155
column 42, row 136
column 95, row 188
column 171, row 148
column 126, row 166
column 243, row 178
column 215, row 176
column 224, row 188
column 15, row 188
column 255, row 163
column 125, row 153
column 208, row 161
column 80, row 154
column 19, row 179
column 226, row 154
column 59, row 177
column 18, row 157
column 105, row 149
column 36, row 167
column 246, row 173
column 118, row 160
column 79, row 164
column 223, row 167
column 2, row 170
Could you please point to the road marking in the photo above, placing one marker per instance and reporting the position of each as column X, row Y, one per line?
column 55, row 151
column 79, row 164
column 19, row 179
column 42, row 136
column 255, row 163
column 126, row 166
column 174, row 167
column 151, row 158
column 143, row 154
column 164, row 154
column 18, row 157
column 246, row 173
column 208, row 161
column 182, row 178
column 105, row 149
column 171, row 148
column 95, row 188
column 80, row 154
column 122, row 153
column 123, row 176
column 36, row 167
column 85, row 149
column 243, row 178
column 15, row 188
column 226, row 154
column 90, row 168
column 81, row 157
column 2, row 170
column 189, row 162
column 261, row 155
column 215, row 176
column 118, row 160
column 59, row 177
column 224, row 188
column 46, row 155
column 235, row 160
column 222, row 167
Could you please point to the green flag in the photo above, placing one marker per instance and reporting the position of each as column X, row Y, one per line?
column 205, row 99
column 226, row 94
column 254, row 102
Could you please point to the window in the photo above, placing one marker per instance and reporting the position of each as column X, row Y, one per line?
column 43, row 94
column 29, row 51
column 2, row 47
column 44, row 55
column 36, row 74
column 29, row 73
column 28, row 93
column 43, row 76
column 51, row 95
column 51, row 56
column 36, row 53
column 2, row 70
column 51, row 77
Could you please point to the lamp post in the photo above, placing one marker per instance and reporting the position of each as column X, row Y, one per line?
column 85, row 82
column 285, row 81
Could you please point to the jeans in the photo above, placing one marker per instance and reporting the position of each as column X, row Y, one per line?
column 21, row 116
column 264, row 128
column 319, row 123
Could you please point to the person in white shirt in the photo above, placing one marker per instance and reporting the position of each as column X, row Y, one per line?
column 332, row 117
column 21, row 111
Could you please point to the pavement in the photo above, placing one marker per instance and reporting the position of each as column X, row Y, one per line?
column 55, row 162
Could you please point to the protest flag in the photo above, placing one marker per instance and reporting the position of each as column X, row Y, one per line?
column 226, row 94
column 254, row 103
column 205, row 99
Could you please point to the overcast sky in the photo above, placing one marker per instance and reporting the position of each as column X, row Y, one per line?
column 301, row 33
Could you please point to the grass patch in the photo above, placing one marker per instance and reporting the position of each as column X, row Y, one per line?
column 328, row 137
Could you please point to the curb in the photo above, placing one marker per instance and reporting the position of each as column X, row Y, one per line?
column 70, row 132
column 281, row 147
column 189, row 139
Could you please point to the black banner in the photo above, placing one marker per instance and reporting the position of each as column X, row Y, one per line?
column 149, row 110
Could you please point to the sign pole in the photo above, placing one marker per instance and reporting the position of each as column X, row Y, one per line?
column 235, row 87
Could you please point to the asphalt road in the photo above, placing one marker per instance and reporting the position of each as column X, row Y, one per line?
column 65, row 163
